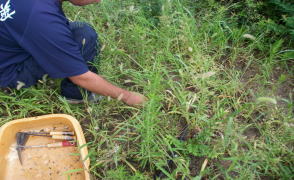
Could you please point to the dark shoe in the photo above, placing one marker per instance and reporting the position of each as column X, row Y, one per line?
column 92, row 98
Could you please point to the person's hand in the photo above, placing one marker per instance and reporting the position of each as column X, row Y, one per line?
column 134, row 99
column 98, row 85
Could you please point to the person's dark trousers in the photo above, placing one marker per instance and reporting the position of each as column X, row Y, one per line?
column 87, row 39
column 29, row 72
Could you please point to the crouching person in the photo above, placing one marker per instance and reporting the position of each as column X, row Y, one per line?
column 37, row 39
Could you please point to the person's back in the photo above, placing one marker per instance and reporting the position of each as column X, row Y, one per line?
column 37, row 39
column 11, row 53
column 37, row 29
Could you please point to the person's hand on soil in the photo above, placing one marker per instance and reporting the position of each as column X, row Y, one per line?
column 134, row 99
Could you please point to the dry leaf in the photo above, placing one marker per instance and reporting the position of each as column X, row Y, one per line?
column 20, row 85
column 84, row 42
column 206, row 75
column 266, row 100
column 190, row 49
column 204, row 165
column 249, row 36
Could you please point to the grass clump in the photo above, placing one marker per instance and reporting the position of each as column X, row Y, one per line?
column 208, row 85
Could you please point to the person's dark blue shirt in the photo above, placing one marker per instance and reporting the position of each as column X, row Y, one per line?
column 38, row 29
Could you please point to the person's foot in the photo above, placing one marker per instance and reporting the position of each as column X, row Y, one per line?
column 92, row 98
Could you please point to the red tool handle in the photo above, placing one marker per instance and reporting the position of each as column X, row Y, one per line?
column 68, row 143
column 62, row 144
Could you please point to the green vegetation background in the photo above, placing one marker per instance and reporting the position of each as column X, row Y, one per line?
column 219, row 74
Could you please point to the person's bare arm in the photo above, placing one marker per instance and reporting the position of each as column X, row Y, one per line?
column 83, row 2
column 99, row 85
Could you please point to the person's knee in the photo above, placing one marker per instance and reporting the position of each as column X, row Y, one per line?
column 89, row 35
column 87, row 38
column 84, row 33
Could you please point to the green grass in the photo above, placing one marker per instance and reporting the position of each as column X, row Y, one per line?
column 193, row 63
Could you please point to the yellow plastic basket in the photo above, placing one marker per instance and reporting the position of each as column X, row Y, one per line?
column 43, row 163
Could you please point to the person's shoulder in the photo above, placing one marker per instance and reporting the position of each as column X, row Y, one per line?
column 16, row 11
column 47, row 6
column 45, row 13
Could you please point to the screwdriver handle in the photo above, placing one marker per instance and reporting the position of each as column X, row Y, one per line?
column 69, row 133
column 68, row 138
column 61, row 144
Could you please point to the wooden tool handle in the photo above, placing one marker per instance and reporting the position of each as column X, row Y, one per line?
column 69, row 133
column 69, row 138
